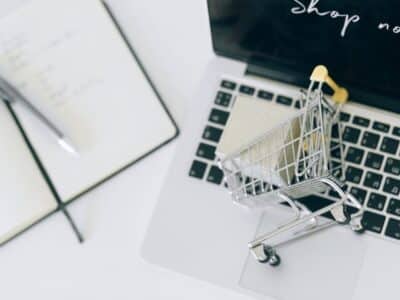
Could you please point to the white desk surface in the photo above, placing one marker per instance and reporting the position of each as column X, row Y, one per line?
column 172, row 39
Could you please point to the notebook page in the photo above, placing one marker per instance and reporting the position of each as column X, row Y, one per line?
column 24, row 194
column 69, row 59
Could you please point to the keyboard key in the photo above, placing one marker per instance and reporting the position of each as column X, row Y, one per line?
column 361, row 121
column 254, row 187
column 265, row 95
column 344, row 117
column 354, row 155
column 336, row 168
column 374, row 160
column 393, row 229
column 373, row 180
column 206, row 151
column 284, row 100
column 394, row 207
column 212, row 134
column 215, row 175
column 334, row 144
column 314, row 203
column 381, row 126
column 390, row 145
column 223, row 99
column 370, row 140
column 335, row 131
column 396, row 131
column 228, row 84
column 218, row 116
column 392, row 186
column 335, row 150
column 338, row 173
column 353, row 174
column 334, row 194
column 373, row 222
column 244, row 89
column 351, row 134
column 197, row 169
column 359, row 194
column 335, row 164
column 248, row 186
column 376, row 201
column 392, row 166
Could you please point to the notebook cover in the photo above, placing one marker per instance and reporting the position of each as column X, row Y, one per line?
column 43, row 170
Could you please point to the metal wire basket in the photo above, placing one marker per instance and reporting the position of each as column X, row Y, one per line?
column 291, row 161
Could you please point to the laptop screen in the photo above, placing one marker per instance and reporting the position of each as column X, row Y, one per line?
column 358, row 40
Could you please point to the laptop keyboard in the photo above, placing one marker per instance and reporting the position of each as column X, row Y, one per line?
column 371, row 153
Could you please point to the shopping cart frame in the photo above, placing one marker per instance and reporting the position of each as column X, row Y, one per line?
column 318, row 115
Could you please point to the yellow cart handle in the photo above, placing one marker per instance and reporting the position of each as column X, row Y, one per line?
column 321, row 74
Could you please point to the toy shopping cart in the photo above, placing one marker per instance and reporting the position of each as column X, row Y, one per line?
column 291, row 161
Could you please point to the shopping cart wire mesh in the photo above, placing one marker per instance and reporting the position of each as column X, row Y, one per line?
column 294, row 160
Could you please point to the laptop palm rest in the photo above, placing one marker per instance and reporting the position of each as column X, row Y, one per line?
column 336, row 255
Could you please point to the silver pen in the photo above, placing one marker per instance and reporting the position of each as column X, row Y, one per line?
column 9, row 93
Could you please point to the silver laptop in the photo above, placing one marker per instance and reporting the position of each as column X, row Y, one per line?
column 266, row 50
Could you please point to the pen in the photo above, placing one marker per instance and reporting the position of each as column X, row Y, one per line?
column 10, row 93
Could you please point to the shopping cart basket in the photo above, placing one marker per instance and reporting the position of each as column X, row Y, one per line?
column 291, row 161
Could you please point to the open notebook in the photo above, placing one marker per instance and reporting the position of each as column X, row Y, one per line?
column 70, row 59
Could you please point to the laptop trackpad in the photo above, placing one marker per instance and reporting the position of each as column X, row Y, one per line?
column 325, row 265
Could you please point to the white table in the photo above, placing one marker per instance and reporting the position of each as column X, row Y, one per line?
column 173, row 41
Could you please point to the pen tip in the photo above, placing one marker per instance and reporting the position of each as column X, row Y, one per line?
column 67, row 145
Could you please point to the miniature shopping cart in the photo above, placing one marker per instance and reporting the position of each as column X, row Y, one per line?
column 291, row 161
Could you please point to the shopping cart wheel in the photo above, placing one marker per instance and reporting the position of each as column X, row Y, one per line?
column 260, row 253
column 359, row 230
column 271, row 257
column 264, row 259
column 275, row 260
column 265, row 254
column 347, row 217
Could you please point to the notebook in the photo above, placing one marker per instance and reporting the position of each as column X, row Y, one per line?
column 71, row 60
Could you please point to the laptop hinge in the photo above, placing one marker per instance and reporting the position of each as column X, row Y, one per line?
column 280, row 73
column 287, row 75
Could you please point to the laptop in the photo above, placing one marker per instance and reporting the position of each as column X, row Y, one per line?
column 266, row 50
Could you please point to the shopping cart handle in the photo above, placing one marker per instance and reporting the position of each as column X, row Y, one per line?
column 321, row 74
column 341, row 96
